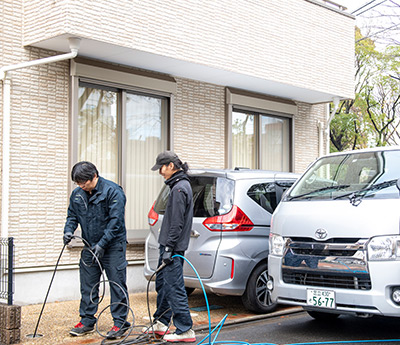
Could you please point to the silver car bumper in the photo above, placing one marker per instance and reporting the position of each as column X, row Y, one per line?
column 221, row 281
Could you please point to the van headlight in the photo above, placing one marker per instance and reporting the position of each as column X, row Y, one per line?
column 384, row 248
column 276, row 244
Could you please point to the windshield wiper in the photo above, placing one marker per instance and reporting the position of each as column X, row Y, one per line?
column 342, row 186
column 357, row 196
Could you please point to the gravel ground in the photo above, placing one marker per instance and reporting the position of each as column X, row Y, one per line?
column 59, row 317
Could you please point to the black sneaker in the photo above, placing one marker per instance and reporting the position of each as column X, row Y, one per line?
column 81, row 329
column 116, row 332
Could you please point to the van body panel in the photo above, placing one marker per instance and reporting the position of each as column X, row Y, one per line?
column 339, row 218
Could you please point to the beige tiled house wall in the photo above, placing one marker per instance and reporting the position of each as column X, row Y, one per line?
column 306, row 136
column 38, row 147
column 255, row 38
column 199, row 133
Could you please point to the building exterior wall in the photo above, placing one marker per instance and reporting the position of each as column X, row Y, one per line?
column 306, row 134
column 40, row 96
column 199, row 133
column 255, row 38
column 38, row 147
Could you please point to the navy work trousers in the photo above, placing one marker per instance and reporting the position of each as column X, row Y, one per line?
column 114, row 264
column 171, row 294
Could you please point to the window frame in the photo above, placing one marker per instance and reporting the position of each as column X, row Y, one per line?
column 141, row 83
column 258, row 105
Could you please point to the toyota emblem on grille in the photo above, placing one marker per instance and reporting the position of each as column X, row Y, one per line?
column 320, row 234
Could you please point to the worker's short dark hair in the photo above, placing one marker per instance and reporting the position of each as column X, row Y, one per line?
column 83, row 171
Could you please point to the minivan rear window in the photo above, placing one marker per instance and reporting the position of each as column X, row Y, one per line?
column 212, row 196
column 269, row 194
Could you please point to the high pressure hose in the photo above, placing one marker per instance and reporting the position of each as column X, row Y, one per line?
column 35, row 335
column 102, row 281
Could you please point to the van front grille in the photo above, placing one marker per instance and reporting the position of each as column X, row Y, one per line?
column 353, row 282
column 336, row 263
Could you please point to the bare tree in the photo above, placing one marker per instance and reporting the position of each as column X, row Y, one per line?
column 373, row 117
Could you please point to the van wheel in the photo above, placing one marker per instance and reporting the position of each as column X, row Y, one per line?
column 319, row 315
column 257, row 297
column 189, row 290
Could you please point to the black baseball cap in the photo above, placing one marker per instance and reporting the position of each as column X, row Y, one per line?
column 163, row 158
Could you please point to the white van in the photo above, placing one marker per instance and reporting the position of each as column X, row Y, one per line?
column 335, row 240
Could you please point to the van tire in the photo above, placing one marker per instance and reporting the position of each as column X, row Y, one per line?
column 321, row 316
column 189, row 290
column 257, row 297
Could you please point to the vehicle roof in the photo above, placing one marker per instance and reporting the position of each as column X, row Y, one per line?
column 243, row 173
column 372, row 149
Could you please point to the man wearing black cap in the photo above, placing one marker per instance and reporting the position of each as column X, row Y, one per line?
column 174, row 240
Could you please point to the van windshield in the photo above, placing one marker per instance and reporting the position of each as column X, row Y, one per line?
column 212, row 196
column 364, row 174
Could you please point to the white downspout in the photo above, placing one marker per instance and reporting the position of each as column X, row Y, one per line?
column 5, row 196
column 6, row 157
column 73, row 44
column 335, row 101
column 320, row 126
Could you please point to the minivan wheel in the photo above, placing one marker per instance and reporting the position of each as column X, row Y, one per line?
column 257, row 297
column 319, row 315
column 189, row 290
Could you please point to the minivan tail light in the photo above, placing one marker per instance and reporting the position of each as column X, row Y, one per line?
column 234, row 220
column 152, row 217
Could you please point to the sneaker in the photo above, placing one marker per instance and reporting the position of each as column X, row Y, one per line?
column 187, row 337
column 116, row 332
column 159, row 328
column 81, row 329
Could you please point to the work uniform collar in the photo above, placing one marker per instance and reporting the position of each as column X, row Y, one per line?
column 179, row 175
column 96, row 190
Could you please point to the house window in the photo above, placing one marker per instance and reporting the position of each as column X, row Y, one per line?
column 122, row 132
column 260, row 141
column 98, row 123
column 243, row 140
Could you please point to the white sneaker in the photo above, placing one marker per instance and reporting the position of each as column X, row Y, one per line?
column 159, row 328
column 187, row 337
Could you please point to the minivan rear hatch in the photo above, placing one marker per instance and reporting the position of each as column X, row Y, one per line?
column 212, row 196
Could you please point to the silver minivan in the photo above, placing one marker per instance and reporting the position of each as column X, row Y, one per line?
column 229, row 239
column 335, row 239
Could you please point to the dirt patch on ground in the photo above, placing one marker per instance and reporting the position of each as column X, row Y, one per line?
column 59, row 317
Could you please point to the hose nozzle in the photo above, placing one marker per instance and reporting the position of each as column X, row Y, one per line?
column 163, row 264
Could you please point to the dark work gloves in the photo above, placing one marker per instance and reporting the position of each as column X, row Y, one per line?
column 68, row 237
column 98, row 252
column 167, row 256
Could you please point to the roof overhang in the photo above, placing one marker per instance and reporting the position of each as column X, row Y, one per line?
column 185, row 69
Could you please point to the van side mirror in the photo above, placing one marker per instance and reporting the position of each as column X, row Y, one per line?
column 398, row 184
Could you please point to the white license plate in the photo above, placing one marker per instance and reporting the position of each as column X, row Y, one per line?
column 321, row 298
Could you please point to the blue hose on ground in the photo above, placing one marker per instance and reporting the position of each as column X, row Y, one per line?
column 348, row 342
column 221, row 323
column 205, row 296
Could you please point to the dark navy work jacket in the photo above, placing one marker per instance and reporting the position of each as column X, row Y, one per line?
column 101, row 215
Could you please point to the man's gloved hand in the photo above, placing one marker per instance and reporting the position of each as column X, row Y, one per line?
column 67, row 237
column 167, row 256
column 98, row 252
